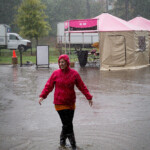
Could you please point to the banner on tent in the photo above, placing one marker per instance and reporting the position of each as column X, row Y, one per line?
column 80, row 25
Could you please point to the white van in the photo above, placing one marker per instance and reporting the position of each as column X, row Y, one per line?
column 12, row 40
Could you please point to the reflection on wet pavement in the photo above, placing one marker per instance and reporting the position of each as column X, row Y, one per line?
column 118, row 120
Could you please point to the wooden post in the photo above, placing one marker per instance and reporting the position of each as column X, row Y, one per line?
column 20, row 57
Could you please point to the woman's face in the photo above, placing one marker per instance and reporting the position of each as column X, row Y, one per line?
column 62, row 64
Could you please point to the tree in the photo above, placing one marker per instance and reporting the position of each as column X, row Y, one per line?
column 128, row 9
column 88, row 9
column 140, row 7
column 31, row 19
column 119, row 9
column 61, row 10
column 8, row 11
column 97, row 7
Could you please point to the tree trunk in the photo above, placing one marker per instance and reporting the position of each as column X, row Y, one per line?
column 37, row 41
column 88, row 9
column 31, row 46
column 106, row 5
column 126, row 8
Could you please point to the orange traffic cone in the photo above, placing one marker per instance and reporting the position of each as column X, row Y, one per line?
column 14, row 54
column 14, row 58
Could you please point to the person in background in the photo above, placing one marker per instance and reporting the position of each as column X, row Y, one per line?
column 64, row 79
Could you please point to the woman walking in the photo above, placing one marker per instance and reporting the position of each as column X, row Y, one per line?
column 64, row 79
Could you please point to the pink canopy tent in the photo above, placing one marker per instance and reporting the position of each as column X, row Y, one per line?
column 122, row 44
column 104, row 22
column 108, row 22
column 144, row 23
column 141, row 22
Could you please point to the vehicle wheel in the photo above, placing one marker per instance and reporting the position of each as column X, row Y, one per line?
column 21, row 48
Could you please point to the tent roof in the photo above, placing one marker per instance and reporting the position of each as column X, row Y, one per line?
column 108, row 22
column 141, row 22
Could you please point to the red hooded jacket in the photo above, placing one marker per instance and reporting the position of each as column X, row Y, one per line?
column 64, row 81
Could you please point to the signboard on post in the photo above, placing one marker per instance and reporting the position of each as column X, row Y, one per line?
column 42, row 56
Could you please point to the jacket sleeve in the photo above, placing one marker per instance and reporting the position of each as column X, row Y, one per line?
column 49, row 86
column 82, row 87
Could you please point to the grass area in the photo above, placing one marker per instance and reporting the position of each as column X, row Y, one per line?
column 6, row 56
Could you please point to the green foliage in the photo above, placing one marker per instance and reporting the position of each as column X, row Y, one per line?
column 36, row 17
column 61, row 10
column 97, row 8
column 8, row 9
column 31, row 19
column 6, row 56
column 134, row 8
column 141, row 7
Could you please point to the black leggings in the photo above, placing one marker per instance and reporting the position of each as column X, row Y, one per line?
column 66, row 117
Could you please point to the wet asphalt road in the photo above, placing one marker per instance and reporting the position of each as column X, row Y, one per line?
column 118, row 120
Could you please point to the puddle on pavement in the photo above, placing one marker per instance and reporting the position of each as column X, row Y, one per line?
column 118, row 120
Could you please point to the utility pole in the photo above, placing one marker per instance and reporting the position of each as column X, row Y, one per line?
column 127, row 9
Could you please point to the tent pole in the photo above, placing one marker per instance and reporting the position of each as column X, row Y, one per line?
column 82, row 39
column 65, row 44
column 69, row 44
column 69, row 36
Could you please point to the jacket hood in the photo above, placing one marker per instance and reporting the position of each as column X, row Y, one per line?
column 66, row 58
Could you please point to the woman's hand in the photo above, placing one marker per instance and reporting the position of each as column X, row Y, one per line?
column 90, row 103
column 40, row 100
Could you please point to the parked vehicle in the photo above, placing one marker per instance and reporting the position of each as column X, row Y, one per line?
column 12, row 41
column 77, row 40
